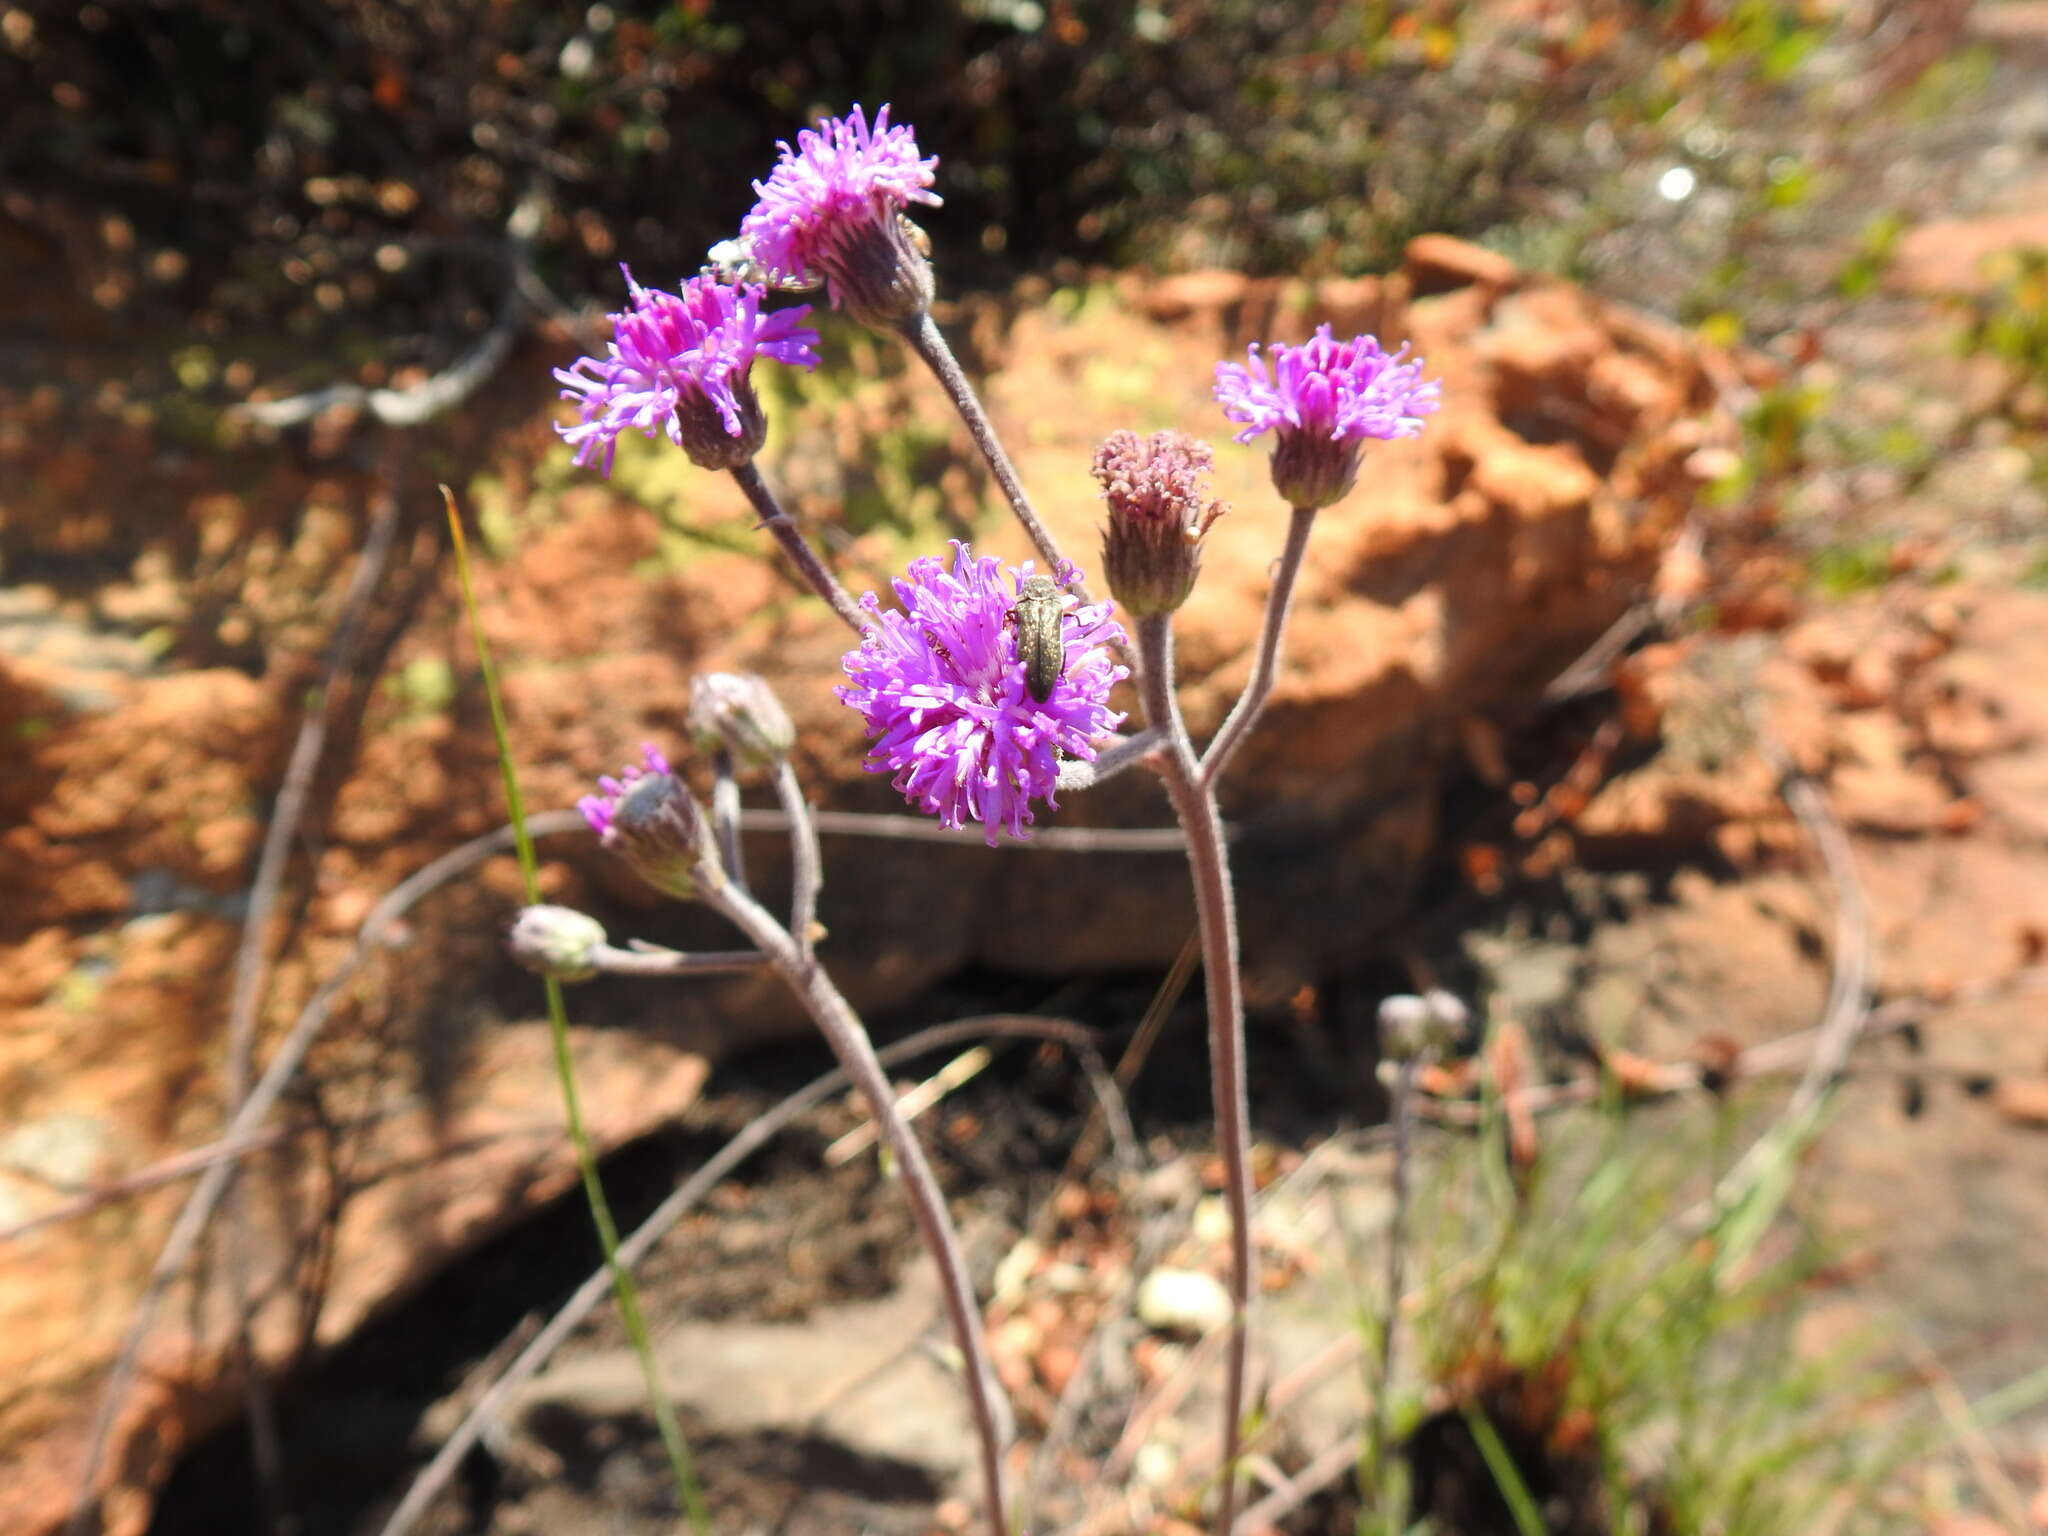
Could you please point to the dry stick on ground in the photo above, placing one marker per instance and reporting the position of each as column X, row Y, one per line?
column 244, row 1002
column 465, row 857
column 440, row 393
column 921, row 829
column 1848, row 1002
column 1328, row 1465
column 434, row 1477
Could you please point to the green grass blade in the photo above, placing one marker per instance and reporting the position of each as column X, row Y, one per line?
column 680, row 1463
column 1506, row 1475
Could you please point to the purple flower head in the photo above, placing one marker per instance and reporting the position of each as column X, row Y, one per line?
column 599, row 810
column 948, row 709
column 832, row 210
column 680, row 364
column 1322, row 399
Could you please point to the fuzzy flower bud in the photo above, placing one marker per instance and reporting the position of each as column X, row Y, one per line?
column 738, row 712
column 1321, row 401
column 647, row 818
column 557, row 941
column 1410, row 1025
column 1152, row 544
column 833, row 209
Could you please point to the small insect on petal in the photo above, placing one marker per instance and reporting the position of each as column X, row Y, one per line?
column 1040, row 645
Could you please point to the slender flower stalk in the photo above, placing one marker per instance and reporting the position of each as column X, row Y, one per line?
column 929, row 343
column 1215, row 907
column 849, row 1041
column 1244, row 714
column 725, row 816
column 786, row 533
column 571, row 946
column 646, row 816
column 1322, row 401
column 806, row 865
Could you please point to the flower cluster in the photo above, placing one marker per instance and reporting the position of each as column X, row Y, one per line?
column 948, row 708
column 1322, row 400
column 680, row 364
column 832, row 211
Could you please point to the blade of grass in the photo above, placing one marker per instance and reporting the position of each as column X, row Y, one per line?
column 1506, row 1476
column 680, row 1463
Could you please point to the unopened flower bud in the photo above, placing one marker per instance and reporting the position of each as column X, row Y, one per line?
column 1152, row 544
column 557, row 941
column 739, row 713
column 647, row 817
column 1411, row 1025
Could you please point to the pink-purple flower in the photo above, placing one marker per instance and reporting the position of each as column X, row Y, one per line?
column 680, row 363
column 1322, row 400
column 600, row 809
column 831, row 211
column 948, row 710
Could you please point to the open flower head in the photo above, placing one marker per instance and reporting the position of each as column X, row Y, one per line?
column 1323, row 400
column 948, row 708
column 832, row 210
column 680, row 364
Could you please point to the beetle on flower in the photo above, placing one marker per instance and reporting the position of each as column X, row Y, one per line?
column 950, row 703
